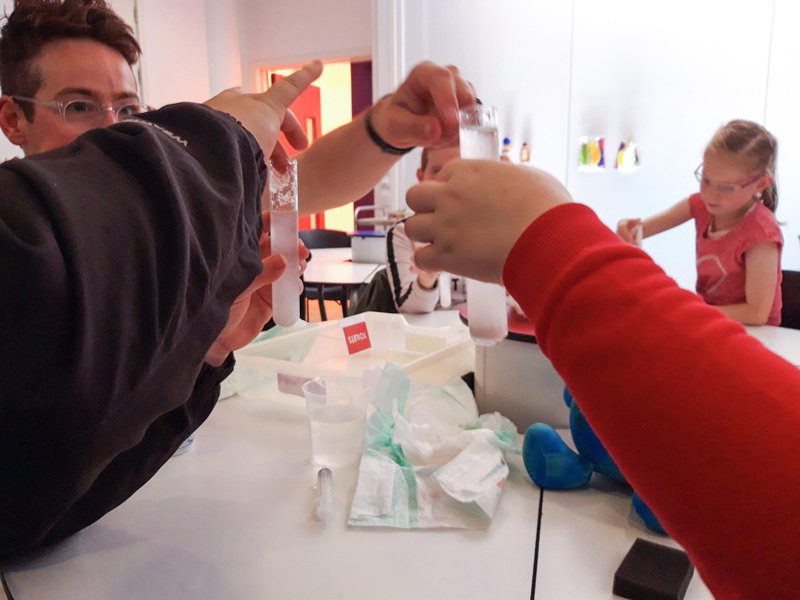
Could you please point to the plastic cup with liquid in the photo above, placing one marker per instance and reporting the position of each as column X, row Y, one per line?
column 337, row 420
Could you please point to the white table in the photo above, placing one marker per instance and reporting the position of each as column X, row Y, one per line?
column 781, row 340
column 231, row 519
column 334, row 266
column 584, row 536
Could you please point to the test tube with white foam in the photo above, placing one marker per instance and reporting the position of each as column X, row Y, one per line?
column 486, row 302
column 283, row 237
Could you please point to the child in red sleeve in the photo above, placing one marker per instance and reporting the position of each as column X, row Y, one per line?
column 738, row 239
column 701, row 418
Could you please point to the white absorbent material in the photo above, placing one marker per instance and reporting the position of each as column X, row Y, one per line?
column 430, row 460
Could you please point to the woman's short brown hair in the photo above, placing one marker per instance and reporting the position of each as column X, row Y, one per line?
column 35, row 23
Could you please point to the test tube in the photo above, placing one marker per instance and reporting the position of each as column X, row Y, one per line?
column 324, row 505
column 638, row 233
column 445, row 283
column 486, row 302
column 283, row 237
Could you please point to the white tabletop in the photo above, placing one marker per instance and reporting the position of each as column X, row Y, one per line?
column 584, row 536
column 781, row 340
column 231, row 519
column 334, row 266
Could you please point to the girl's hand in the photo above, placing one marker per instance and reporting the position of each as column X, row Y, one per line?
column 626, row 229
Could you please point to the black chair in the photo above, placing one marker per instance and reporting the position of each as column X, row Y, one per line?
column 324, row 238
column 790, row 295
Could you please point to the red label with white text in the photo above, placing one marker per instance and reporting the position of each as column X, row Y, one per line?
column 357, row 337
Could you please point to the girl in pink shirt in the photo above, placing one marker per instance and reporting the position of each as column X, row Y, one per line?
column 739, row 241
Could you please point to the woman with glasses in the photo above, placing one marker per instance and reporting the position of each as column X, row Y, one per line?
column 739, row 241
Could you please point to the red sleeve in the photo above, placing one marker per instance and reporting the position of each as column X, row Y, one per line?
column 700, row 417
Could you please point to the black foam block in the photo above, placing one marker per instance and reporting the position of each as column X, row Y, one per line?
column 653, row 572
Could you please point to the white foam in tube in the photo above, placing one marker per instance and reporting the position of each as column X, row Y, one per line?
column 283, row 236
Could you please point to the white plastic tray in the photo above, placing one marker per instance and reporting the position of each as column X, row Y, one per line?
column 284, row 362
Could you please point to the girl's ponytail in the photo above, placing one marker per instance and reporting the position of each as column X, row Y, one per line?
column 754, row 144
column 770, row 196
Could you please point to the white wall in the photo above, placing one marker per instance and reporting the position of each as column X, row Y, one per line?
column 7, row 149
column 287, row 33
column 224, row 49
column 667, row 76
column 190, row 48
column 174, row 42
column 783, row 99
column 498, row 45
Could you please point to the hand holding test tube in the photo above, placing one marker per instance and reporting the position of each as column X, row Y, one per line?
column 283, row 234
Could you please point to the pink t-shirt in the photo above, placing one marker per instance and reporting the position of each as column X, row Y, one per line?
column 720, row 261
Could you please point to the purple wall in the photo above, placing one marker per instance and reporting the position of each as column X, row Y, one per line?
column 361, row 84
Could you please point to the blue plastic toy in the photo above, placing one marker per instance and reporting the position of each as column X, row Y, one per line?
column 555, row 466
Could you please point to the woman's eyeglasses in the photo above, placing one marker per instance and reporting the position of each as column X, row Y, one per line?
column 87, row 112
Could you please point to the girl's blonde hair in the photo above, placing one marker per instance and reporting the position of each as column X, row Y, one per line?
column 755, row 145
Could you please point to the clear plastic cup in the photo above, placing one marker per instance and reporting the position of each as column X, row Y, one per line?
column 337, row 419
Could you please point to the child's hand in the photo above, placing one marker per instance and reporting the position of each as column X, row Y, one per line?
column 627, row 230
column 474, row 212
column 427, row 279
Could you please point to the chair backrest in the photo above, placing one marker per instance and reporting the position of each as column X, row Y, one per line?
column 325, row 238
column 790, row 295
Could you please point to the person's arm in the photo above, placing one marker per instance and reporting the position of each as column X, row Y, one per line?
column 404, row 279
column 675, row 215
column 122, row 255
column 684, row 399
column 702, row 419
column 761, row 279
column 346, row 163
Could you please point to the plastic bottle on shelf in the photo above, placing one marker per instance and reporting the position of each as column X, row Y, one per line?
column 524, row 154
column 505, row 154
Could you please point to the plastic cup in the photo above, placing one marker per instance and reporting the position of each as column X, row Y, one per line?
column 337, row 419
